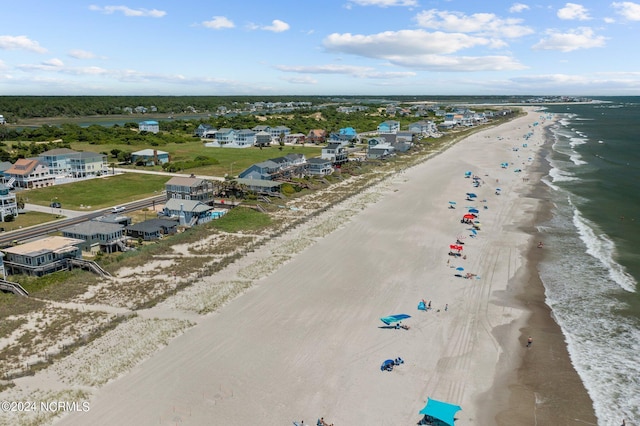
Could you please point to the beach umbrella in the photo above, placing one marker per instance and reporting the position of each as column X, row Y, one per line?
column 471, row 195
column 474, row 211
column 453, row 203
column 394, row 318
column 442, row 411
column 469, row 216
column 474, row 232
column 387, row 365
column 459, row 268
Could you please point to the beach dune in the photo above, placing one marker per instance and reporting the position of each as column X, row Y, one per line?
column 307, row 341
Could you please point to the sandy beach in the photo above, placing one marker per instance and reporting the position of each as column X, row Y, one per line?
column 306, row 341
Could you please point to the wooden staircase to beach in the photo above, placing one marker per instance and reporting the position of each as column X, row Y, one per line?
column 12, row 287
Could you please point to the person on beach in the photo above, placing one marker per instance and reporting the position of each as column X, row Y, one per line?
column 540, row 244
column 529, row 342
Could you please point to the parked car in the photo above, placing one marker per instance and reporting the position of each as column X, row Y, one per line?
column 55, row 205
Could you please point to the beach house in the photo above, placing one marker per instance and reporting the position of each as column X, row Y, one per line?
column 149, row 157
column 28, row 173
column 319, row 166
column 42, row 256
column 149, row 126
column 335, row 152
column 316, row 136
column 152, row 229
column 88, row 164
column 97, row 236
column 389, row 126
column 190, row 188
column 8, row 204
column 189, row 212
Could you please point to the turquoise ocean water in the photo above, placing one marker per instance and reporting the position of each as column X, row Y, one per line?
column 591, row 265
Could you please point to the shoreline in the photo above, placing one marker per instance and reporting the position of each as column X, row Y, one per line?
column 530, row 388
column 306, row 311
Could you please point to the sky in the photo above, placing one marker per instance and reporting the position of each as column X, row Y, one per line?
column 319, row 47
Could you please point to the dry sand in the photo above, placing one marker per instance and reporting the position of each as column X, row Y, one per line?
column 305, row 341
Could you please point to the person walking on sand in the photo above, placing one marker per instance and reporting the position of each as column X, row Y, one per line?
column 529, row 342
column 446, row 307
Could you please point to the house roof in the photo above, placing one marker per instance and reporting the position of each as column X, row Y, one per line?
column 152, row 225
column 149, row 122
column 23, row 166
column 43, row 245
column 58, row 151
column 85, row 155
column 184, row 181
column 269, row 164
column 5, row 165
column 149, row 152
column 193, row 206
column 93, row 227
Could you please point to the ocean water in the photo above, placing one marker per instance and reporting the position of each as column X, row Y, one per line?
column 591, row 265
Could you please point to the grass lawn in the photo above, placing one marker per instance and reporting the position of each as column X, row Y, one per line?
column 231, row 160
column 99, row 193
column 24, row 220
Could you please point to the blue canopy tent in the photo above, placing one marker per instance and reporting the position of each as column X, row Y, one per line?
column 442, row 411
column 394, row 318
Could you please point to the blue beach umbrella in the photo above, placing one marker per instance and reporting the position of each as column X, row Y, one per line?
column 471, row 195
column 452, row 202
column 443, row 411
column 473, row 210
column 459, row 268
column 394, row 318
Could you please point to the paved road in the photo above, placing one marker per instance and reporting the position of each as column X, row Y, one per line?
column 72, row 217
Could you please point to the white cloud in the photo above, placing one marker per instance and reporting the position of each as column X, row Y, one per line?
column 126, row 11
column 404, row 42
column 581, row 38
column 81, row 54
column 53, row 62
column 518, row 7
column 277, row 26
column 384, row 3
column 458, row 63
column 573, row 11
column 422, row 50
column 480, row 23
column 300, row 80
column 353, row 70
column 628, row 10
column 20, row 43
column 218, row 22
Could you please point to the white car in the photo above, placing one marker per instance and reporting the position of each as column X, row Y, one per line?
column 117, row 209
